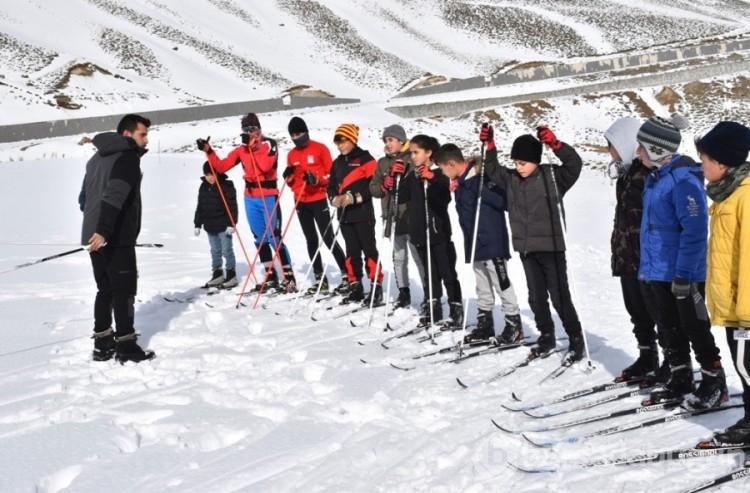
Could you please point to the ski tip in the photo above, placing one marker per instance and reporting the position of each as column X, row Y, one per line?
column 361, row 343
column 402, row 368
column 535, row 443
column 463, row 385
column 364, row 361
column 533, row 415
column 352, row 323
column 515, row 397
column 501, row 428
column 534, row 470
column 384, row 346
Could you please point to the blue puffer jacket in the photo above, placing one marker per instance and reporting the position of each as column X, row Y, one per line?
column 674, row 228
column 492, row 240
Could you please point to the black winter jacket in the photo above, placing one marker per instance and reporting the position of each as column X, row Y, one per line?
column 211, row 212
column 535, row 222
column 626, row 234
column 438, row 198
column 352, row 173
column 113, row 191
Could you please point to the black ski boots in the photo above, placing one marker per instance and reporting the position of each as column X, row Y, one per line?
column 437, row 312
column 356, row 293
column 456, row 313
column 127, row 349
column 378, row 300
column 104, row 345
column 343, row 288
column 680, row 383
column 404, row 298
column 737, row 434
column 513, row 331
column 320, row 280
column 485, row 327
column 711, row 392
column 217, row 279
column 230, row 281
column 544, row 345
column 646, row 365
column 289, row 284
column 576, row 349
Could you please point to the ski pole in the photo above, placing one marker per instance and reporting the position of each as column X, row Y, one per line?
column 312, row 264
column 231, row 219
column 325, row 266
column 70, row 252
column 276, row 252
column 429, row 261
column 564, row 228
column 475, row 234
column 394, row 220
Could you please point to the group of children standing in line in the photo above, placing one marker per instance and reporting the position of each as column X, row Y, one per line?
column 660, row 244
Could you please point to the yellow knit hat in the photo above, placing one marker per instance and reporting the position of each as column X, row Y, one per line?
column 349, row 131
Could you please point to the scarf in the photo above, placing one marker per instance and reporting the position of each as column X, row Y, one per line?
column 718, row 191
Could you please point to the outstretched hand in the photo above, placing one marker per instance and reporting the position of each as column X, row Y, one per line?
column 203, row 145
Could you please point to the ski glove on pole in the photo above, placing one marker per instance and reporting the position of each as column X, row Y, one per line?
column 548, row 137
column 487, row 135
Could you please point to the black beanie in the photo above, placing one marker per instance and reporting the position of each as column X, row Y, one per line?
column 206, row 168
column 527, row 148
column 728, row 143
column 297, row 126
column 249, row 120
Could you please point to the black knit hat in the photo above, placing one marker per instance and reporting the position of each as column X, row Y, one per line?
column 250, row 120
column 297, row 126
column 661, row 137
column 206, row 168
column 728, row 143
column 526, row 148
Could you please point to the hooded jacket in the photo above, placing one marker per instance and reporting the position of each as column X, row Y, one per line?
column 210, row 213
column 386, row 200
column 492, row 234
column 113, row 191
column 625, row 241
column 535, row 222
column 412, row 191
column 674, row 227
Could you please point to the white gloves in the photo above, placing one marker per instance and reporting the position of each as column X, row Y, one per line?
column 197, row 231
column 230, row 231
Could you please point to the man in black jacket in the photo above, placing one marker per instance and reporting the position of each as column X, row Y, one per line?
column 111, row 224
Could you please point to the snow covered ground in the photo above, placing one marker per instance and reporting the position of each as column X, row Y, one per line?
column 247, row 400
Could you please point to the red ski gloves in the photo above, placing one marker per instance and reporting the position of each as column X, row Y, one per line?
column 547, row 136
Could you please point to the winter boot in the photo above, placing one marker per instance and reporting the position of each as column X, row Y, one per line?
column 127, row 349
column 712, row 391
column 485, row 327
column 455, row 313
column 320, row 280
column 272, row 283
column 437, row 312
column 378, row 300
column 231, row 280
column 660, row 377
column 513, row 331
column 343, row 288
column 104, row 345
column 544, row 345
column 217, row 279
column 576, row 349
column 404, row 298
column 646, row 364
column 737, row 434
column 680, row 383
column 289, row 284
column 356, row 293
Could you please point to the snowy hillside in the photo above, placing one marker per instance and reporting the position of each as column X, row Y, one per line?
column 266, row 399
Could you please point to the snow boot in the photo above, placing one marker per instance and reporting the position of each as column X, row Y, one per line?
column 513, row 331
column 437, row 312
column 680, row 383
column 456, row 313
column 404, row 298
column 544, row 345
column 356, row 293
column 378, row 300
column 104, row 345
column 127, row 349
column 576, row 349
column 272, row 283
column 289, row 284
column 646, row 364
column 737, row 434
column 485, row 327
column 712, row 391
column 217, row 279
column 320, row 280
column 660, row 377
column 343, row 288
column 231, row 280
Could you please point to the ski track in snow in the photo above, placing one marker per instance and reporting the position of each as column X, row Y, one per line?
column 244, row 400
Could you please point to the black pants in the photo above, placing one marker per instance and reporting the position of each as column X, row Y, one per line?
column 360, row 239
column 442, row 267
column 547, row 277
column 311, row 213
column 681, row 326
column 116, row 275
column 637, row 308
column 740, row 351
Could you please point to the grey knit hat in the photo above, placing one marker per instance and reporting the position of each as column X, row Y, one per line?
column 661, row 137
column 395, row 131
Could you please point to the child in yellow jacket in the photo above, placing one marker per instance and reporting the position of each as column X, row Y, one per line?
column 723, row 151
